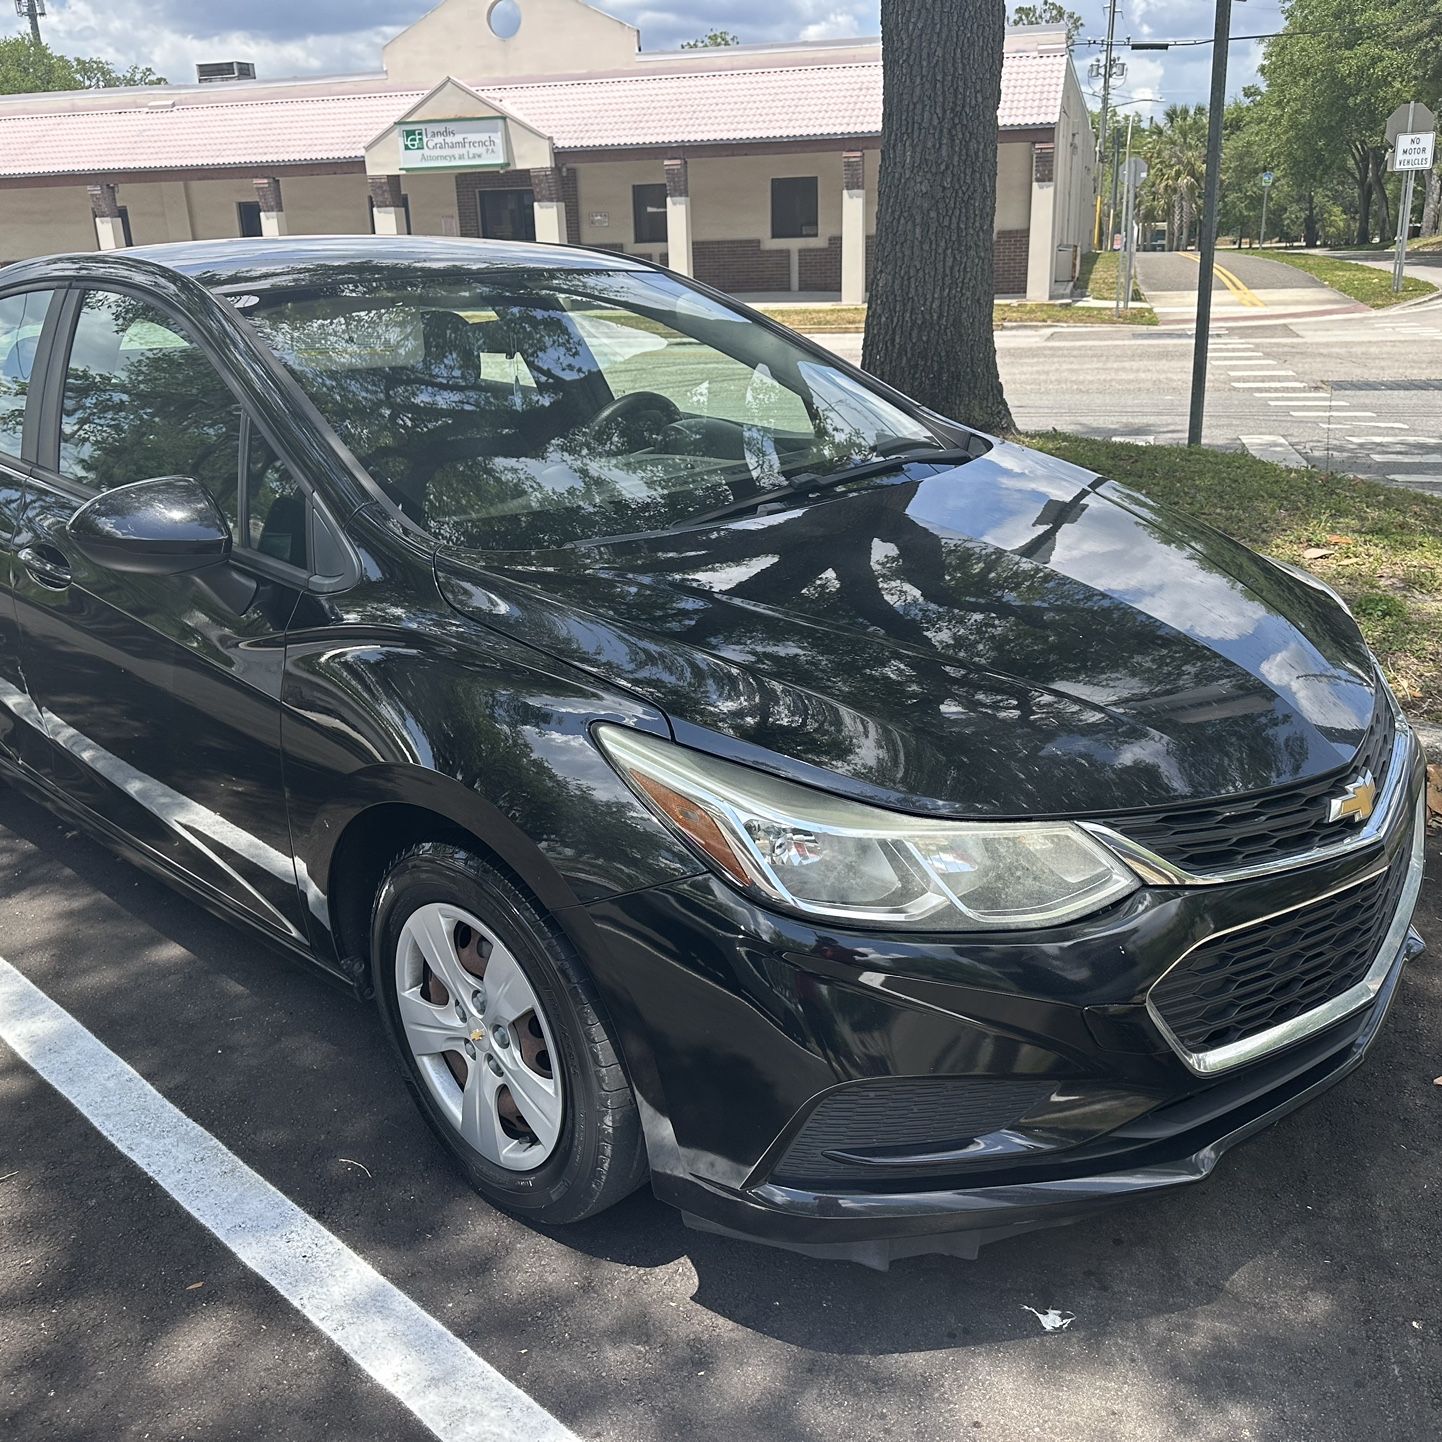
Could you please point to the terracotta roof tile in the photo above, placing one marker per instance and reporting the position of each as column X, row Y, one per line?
column 185, row 129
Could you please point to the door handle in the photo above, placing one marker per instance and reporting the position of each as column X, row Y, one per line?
column 47, row 565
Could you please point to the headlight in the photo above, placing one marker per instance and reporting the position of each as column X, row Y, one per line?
column 820, row 854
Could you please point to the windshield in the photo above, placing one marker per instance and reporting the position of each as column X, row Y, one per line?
column 522, row 410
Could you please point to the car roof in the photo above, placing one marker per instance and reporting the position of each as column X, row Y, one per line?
column 247, row 261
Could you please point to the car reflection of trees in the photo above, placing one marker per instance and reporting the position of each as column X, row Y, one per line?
column 166, row 414
column 527, row 751
column 1069, row 666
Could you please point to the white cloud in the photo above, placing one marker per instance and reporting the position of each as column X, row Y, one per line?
column 836, row 26
column 125, row 34
column 172, row 35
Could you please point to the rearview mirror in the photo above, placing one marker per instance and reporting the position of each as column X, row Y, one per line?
column 161, row 527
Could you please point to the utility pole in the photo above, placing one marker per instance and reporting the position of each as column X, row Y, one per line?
column 1221, row 37
column 1102, row 152
column 33, row 9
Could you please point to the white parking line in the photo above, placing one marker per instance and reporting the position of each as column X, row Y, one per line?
column 1260, row 385
column 426, row 1368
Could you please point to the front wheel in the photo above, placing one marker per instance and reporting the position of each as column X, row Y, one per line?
column 499, row 1033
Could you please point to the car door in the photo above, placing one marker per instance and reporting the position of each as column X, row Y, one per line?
column 22, row 321
column 160, row 695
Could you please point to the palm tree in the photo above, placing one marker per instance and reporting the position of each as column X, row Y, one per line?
column 1176, row 153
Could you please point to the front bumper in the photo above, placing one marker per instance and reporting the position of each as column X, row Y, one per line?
column 748, row 1034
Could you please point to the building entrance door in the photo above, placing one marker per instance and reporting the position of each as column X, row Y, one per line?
column 507, row 214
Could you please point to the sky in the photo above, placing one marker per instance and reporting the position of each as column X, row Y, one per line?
column 294, row 37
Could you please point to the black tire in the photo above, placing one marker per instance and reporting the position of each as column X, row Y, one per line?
column 600, row 1156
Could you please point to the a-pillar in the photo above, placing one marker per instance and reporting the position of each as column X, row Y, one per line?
column 109, row 223
column 853, row 227
column 1041, row 244
column 272, row 210
column 548, row 203
column 389, row 205
column 678, row 218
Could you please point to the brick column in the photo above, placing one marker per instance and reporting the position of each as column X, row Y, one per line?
column 678, row 218
column 853, row 227
column 272, row 210
column 390, row 205
column 1041, row 243
column 548, row 204
column 105, row 207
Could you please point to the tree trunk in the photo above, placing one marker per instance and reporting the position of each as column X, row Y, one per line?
column 1385, row 228
column 929, row 321
column 1432, row 205
column 1309, row 225
column 1362, row 174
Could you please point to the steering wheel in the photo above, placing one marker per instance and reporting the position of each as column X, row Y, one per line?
column 627, row 409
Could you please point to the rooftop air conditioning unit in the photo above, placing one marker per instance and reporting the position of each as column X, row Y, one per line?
column 217, row 71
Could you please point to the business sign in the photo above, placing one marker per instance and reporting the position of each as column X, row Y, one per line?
column 1268, row 177
column 1414, row 151
column 453, row 144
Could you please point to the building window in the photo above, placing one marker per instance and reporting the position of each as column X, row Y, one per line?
column 248, row 212
column 793, row 207
column 405, row 206
column 507, row 214
column 648, row 214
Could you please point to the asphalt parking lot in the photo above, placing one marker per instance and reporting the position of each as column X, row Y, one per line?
column 1297, row 1296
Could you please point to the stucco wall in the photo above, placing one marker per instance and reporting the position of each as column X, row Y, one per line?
column 1075, row 144
column 556, row 37
column 51, row 218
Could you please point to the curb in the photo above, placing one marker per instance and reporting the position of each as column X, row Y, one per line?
column 1431, row 738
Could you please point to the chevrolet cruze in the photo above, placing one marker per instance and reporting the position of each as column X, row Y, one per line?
column 718, row 768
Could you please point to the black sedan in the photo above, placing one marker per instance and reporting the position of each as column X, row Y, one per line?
column 717, row 767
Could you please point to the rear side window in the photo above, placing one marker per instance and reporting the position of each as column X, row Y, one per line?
column 142, row 400
column 21, row 317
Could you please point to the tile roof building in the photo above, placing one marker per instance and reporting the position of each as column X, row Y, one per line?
column 751, row 167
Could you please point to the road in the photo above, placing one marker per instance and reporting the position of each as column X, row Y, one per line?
column 1359, row 393
column 1293, row 1297
column 1244, row 285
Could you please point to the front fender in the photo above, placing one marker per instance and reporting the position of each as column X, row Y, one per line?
column 479, row 731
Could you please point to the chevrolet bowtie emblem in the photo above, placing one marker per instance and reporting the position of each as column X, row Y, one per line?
column 1356, row 801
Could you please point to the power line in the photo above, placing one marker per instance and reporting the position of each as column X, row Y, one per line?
column 1131, row 44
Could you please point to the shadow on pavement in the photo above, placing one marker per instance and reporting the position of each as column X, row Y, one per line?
column 1292, row 1296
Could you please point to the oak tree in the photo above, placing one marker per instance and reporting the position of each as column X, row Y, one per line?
column 929, row 321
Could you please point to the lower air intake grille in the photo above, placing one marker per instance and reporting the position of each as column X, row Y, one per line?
column 1277, row 970
column 888, row 1118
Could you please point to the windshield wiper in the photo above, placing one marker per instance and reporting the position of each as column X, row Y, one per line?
column 803, row 483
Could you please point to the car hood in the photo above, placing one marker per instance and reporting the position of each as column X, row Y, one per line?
column 1014, row 636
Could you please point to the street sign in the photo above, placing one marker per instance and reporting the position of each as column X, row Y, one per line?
column 1411, row 117
column 1411, row 131
column 1414, row 151
column 1268, row 177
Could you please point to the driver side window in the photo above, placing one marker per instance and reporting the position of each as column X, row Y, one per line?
column 142, row 400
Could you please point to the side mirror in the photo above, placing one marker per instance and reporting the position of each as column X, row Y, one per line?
column 162, row 527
